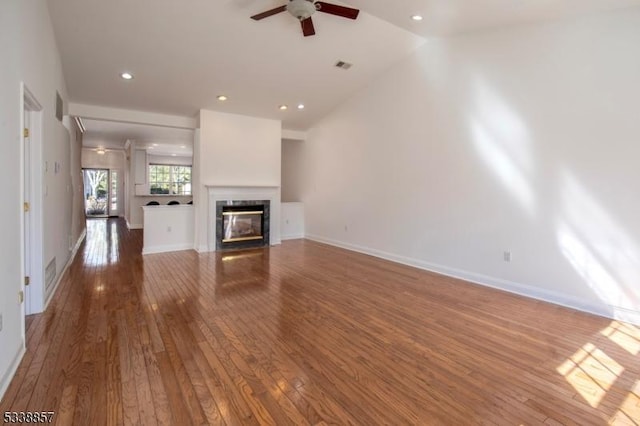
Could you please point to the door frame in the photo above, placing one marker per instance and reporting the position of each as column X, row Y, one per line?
column 108, row 189
column 119, row 192
column 31, row 162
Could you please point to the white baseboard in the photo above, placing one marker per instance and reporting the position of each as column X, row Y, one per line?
column 545, row 295
column 134, row 225
column 204, row 248
column 626, row 315
column 291, row 237
column 166, row 248
column 76, row 246
column 11, row 371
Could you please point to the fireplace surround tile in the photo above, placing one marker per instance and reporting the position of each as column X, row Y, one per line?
column 266, row 217
column 235, row 193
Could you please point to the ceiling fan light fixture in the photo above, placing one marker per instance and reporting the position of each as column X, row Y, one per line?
column 301, row 9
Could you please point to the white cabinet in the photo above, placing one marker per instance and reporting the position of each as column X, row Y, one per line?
column 140, row 167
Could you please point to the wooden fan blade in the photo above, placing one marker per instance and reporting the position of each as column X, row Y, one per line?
column 334, row 9
column 307, row 27
column 268, row 13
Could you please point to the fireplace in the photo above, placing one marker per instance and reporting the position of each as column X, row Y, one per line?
column 237, row 195
column 242, row 224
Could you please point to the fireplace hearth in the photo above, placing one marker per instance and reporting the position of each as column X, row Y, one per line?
column 242, row 224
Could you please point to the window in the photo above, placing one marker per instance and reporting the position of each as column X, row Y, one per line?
column 169, row 179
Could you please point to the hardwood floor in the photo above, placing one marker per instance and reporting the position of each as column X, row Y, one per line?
column 305, row 333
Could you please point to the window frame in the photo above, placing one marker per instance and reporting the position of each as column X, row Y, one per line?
column 171, row 179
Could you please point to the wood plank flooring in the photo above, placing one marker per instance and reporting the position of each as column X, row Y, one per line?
column 308, row 334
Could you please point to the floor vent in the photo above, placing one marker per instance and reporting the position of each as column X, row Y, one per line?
column 50, row 273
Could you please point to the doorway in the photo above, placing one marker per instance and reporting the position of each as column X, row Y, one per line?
column 102, row 192
column 26, row 198
column 31, row 190
column 96, row 192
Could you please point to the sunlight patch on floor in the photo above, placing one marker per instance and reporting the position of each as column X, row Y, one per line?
column 629, row 411
column 624, row 335
column 591, row 372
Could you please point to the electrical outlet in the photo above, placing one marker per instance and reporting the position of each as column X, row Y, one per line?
column 168, row 229
column 346, row 228
column 507, row 256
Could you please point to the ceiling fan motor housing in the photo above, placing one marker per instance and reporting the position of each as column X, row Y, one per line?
column 301, row 9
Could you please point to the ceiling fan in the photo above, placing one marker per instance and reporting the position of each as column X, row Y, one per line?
column 303, row 9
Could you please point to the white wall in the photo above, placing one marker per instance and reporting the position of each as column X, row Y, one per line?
column 233, row 150
column 522, row 140
column 167, row 228
column 292, row 170
column 113, row 159
column 168, row 159
column 29, row 54
column 239, row 150
column 291, row 220
column 78, row 223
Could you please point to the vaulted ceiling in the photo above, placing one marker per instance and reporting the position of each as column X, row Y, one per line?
column 183, row 54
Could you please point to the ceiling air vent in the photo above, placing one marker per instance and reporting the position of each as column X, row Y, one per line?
column 344, row 65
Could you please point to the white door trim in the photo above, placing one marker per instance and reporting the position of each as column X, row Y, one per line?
column 34, row 296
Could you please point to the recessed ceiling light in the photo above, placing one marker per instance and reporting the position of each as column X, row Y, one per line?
column 154, row 144
column 222, row 98
column 173, row 155
column 100, row 151
column 183, row 146
column 283, row 107
column 300, row 106
column 127, row 75
column 416, row 17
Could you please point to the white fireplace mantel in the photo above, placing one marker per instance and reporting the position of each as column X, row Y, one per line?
column 243, row 192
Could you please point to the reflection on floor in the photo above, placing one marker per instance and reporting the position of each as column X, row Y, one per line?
column 304, row 333
column 101, row 246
